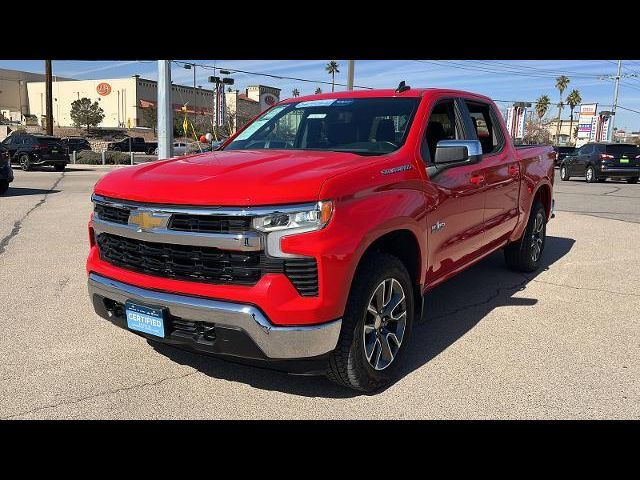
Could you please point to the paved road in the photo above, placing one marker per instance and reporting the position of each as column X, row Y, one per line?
column 495, row 344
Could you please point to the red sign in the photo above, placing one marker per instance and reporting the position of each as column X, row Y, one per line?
column 103, row 89
column 269, row 100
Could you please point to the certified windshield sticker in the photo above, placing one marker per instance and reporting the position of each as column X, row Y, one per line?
column 317, row 115
column 316, row 103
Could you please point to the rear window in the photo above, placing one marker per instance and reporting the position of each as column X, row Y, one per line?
column 622, row 148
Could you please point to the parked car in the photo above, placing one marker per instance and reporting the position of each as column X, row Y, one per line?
column 598, row 161
column 36, row 150
column 6, row 172
column 132, row 144
column 309, row 241
column 562, row 152
column 75, row 144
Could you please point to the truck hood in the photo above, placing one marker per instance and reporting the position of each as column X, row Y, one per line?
column 230, row 178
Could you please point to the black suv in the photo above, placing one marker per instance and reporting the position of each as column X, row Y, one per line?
column 36, row 150
column 74, row 144
column 6, row 172
column 599, row 161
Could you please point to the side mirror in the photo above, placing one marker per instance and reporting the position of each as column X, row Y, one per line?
column 457, row 151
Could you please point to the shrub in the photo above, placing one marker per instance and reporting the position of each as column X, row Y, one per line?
column 88, row 157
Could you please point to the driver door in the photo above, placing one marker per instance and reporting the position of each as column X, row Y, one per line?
column 455, row 197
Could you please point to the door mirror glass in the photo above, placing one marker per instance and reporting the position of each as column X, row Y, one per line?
column 457, row 151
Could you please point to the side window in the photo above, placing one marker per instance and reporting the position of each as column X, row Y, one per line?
column 441, row 125
column 587, row 150
column 487, row 130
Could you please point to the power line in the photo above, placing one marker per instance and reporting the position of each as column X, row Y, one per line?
column 270, row 75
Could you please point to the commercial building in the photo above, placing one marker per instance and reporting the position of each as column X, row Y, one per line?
column 122, row 99
column 242, row 107
column 14, row 102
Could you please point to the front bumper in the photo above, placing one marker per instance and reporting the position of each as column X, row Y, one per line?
column 214, row 326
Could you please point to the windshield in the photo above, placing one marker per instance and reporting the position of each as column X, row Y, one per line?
column 367, row 126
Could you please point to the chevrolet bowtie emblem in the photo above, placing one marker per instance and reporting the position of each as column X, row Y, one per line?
column 148, row 220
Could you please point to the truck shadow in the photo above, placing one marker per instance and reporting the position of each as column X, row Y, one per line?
column 24, row 191
column 451, row 310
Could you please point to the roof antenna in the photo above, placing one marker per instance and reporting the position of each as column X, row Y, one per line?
column 402, row 87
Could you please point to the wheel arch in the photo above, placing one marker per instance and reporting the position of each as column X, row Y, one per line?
column 403, row 244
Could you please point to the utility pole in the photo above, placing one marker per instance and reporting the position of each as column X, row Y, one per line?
column 165, row 124
column 350, row 74
column 49, row 95
column 615, row 102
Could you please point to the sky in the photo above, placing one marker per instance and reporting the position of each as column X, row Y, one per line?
column 504, row 81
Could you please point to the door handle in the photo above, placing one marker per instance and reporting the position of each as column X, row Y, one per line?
column 477, row 179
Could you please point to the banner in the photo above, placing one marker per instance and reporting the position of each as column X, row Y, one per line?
column 510, row 114
column 520, row 122
column 586, row 127
column 220, row 108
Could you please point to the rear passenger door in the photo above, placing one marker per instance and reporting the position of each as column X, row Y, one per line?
column 501, row 172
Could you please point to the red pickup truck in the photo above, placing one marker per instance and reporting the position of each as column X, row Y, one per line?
column 308, row 241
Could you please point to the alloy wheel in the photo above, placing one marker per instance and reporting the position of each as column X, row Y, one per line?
column 537, row 237
column 385, row 324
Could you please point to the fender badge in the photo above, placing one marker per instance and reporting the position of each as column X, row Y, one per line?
column 437, row 227
column 389, row 171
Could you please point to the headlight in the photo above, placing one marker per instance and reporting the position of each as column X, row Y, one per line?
column 306, row 219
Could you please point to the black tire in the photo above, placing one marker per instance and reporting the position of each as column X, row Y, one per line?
column 602, row 179
column 519, row 255
column 564, row 173
column 348, row 364
column 590, row 175
column 116, row 149
column 59, row 167
column 25, row 162
column 632, row 180
column 4, row 186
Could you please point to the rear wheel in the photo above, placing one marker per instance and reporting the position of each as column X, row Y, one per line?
column 59, row 167
column 4, row 186
column 376, row 325
column 590, row 174
column 564, row 173
column 25, row 162
column 632, row 180
column 525, row 255
column 116, row 149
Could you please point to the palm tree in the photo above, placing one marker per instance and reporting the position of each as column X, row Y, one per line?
column 573, row 100
column 295, row 92
column 332, row 69
column 561, row 84
column 318, row 91
column 542, row 106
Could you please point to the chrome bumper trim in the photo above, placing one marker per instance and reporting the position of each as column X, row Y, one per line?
column 248, row 241
column 276, row 342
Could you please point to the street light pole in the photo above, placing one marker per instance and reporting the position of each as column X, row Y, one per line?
column 165, row 127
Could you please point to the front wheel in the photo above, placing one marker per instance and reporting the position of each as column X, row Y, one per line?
column 564, row 173
column 59, row 167
column 525, row 255
column 4, row 186
column 632, row 180
column 376, row 325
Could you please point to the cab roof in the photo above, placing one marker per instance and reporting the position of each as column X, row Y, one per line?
column 382, row 93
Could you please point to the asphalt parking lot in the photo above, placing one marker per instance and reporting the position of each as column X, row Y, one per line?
column 562, row 343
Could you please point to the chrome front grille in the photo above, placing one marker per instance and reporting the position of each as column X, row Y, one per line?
column 192, row 243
